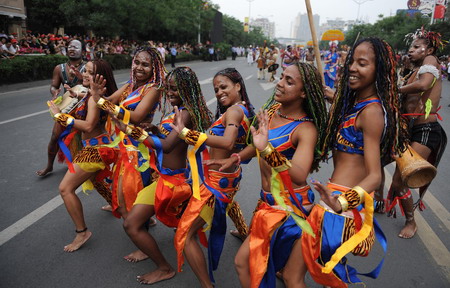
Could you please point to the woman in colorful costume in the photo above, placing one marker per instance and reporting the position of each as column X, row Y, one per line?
column 364, row 129
column 169, row 194
column 134, row 103
column 214, row 199
column 93, row 158
column 331, row 66
column 421, row 94
column 287, row 141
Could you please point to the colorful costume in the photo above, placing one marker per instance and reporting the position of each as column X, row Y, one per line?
column 96, row 157
column 331, row 69
column 132, row 181
column 170, row 193
column 273, row 231
column 216, row 200
column 351, row 231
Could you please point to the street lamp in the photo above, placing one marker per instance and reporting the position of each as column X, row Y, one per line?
column 359, row 2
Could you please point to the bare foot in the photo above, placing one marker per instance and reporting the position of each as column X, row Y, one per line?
column 79, row 240
column 238, row 235
column 136, row 256
column 156, row 276
column 409, row 230
column 107, row 208
column 44, row 172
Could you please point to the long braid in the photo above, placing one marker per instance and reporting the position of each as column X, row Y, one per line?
column 314, row 106
column 191, row 94
column 235, row 77
column 395, row 136
column 158, row 69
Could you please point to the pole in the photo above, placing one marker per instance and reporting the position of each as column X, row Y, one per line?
column 314, row 38
column 432, row 12
column 249, row 13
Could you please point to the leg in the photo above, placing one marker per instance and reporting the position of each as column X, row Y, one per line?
column 52, row 150
column 70, row 182
column 379, row 194
column 410, row 228
column 194, row 254
column 295, row 270
column 241, row 263
column 236, row 216
column 122, row 209
column 135, row 228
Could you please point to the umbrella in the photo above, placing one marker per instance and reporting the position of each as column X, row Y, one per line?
column 331, row 35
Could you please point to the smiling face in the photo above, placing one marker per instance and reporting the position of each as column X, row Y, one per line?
column 142, row 67
column 74, row 50
column 362, row 68
column 419, row 50
column 88, row 74
column 172, row 92
column 227, row 92
column 290, row 87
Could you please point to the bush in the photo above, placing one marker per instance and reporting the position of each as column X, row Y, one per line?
column 119, row 61
column 28, row 68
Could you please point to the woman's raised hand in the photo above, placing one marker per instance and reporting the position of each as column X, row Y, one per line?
column 97, row 87
column 261, row 136
column 177, row 124
column 327, row 196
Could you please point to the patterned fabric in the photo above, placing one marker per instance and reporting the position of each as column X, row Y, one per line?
column 348, row 138
column 218, row 129
column 164, row 127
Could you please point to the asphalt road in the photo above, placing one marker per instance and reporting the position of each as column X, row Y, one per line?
column 34, row 225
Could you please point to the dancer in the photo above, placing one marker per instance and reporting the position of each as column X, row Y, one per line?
column 331, row 65
column 215, row 197
column 364, row 128
column 167, row 197
column 93, row 157
column 287, row 140
column 137, row 99
column 67, row 74
column 421, row 94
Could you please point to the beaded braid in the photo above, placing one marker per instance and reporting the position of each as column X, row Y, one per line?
column 395, row 136
column 314, row 106
column 432, row 39
column 158, row 69
column 235, row 77
column 191, row 94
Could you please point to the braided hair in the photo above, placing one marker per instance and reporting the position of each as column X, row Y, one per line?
column 432, row 39
column 314, row 106
column 235, row 77
column 191, row 94
column 158, row 69
column 395, row 136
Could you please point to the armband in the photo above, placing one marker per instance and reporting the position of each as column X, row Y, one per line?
column 136, row 133
column 109, row 106
column 352, row 198
column 63, row 119
column 275, row 159
column 189, row 136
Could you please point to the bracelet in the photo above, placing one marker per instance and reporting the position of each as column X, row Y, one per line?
column 109, row 106
column 344, row 203
column 275, row 159
column 361, row 192
column 266, row 151
column 137, row 133
column 354, row 197
column 238, row 156
column 63, row 119
column 189, row 136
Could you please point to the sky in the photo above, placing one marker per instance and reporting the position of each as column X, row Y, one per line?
column 283, row 12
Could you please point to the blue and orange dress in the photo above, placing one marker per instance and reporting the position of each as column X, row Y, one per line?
column 170, row 192
column 351, row 231
column 130, row 158
column 273, row 231
column 216, row 193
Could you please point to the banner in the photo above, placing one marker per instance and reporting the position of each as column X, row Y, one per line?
column 246, row 24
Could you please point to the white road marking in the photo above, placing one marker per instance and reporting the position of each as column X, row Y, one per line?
column 214, row 68
column 249, row 77
column 433, row 244
column 206, row 81
column 31, row 218
column 25, row 116
column 28, row 89
column 267, row 85
column 210, row 101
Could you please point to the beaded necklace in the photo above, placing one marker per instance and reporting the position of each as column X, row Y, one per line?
column 304, row 118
